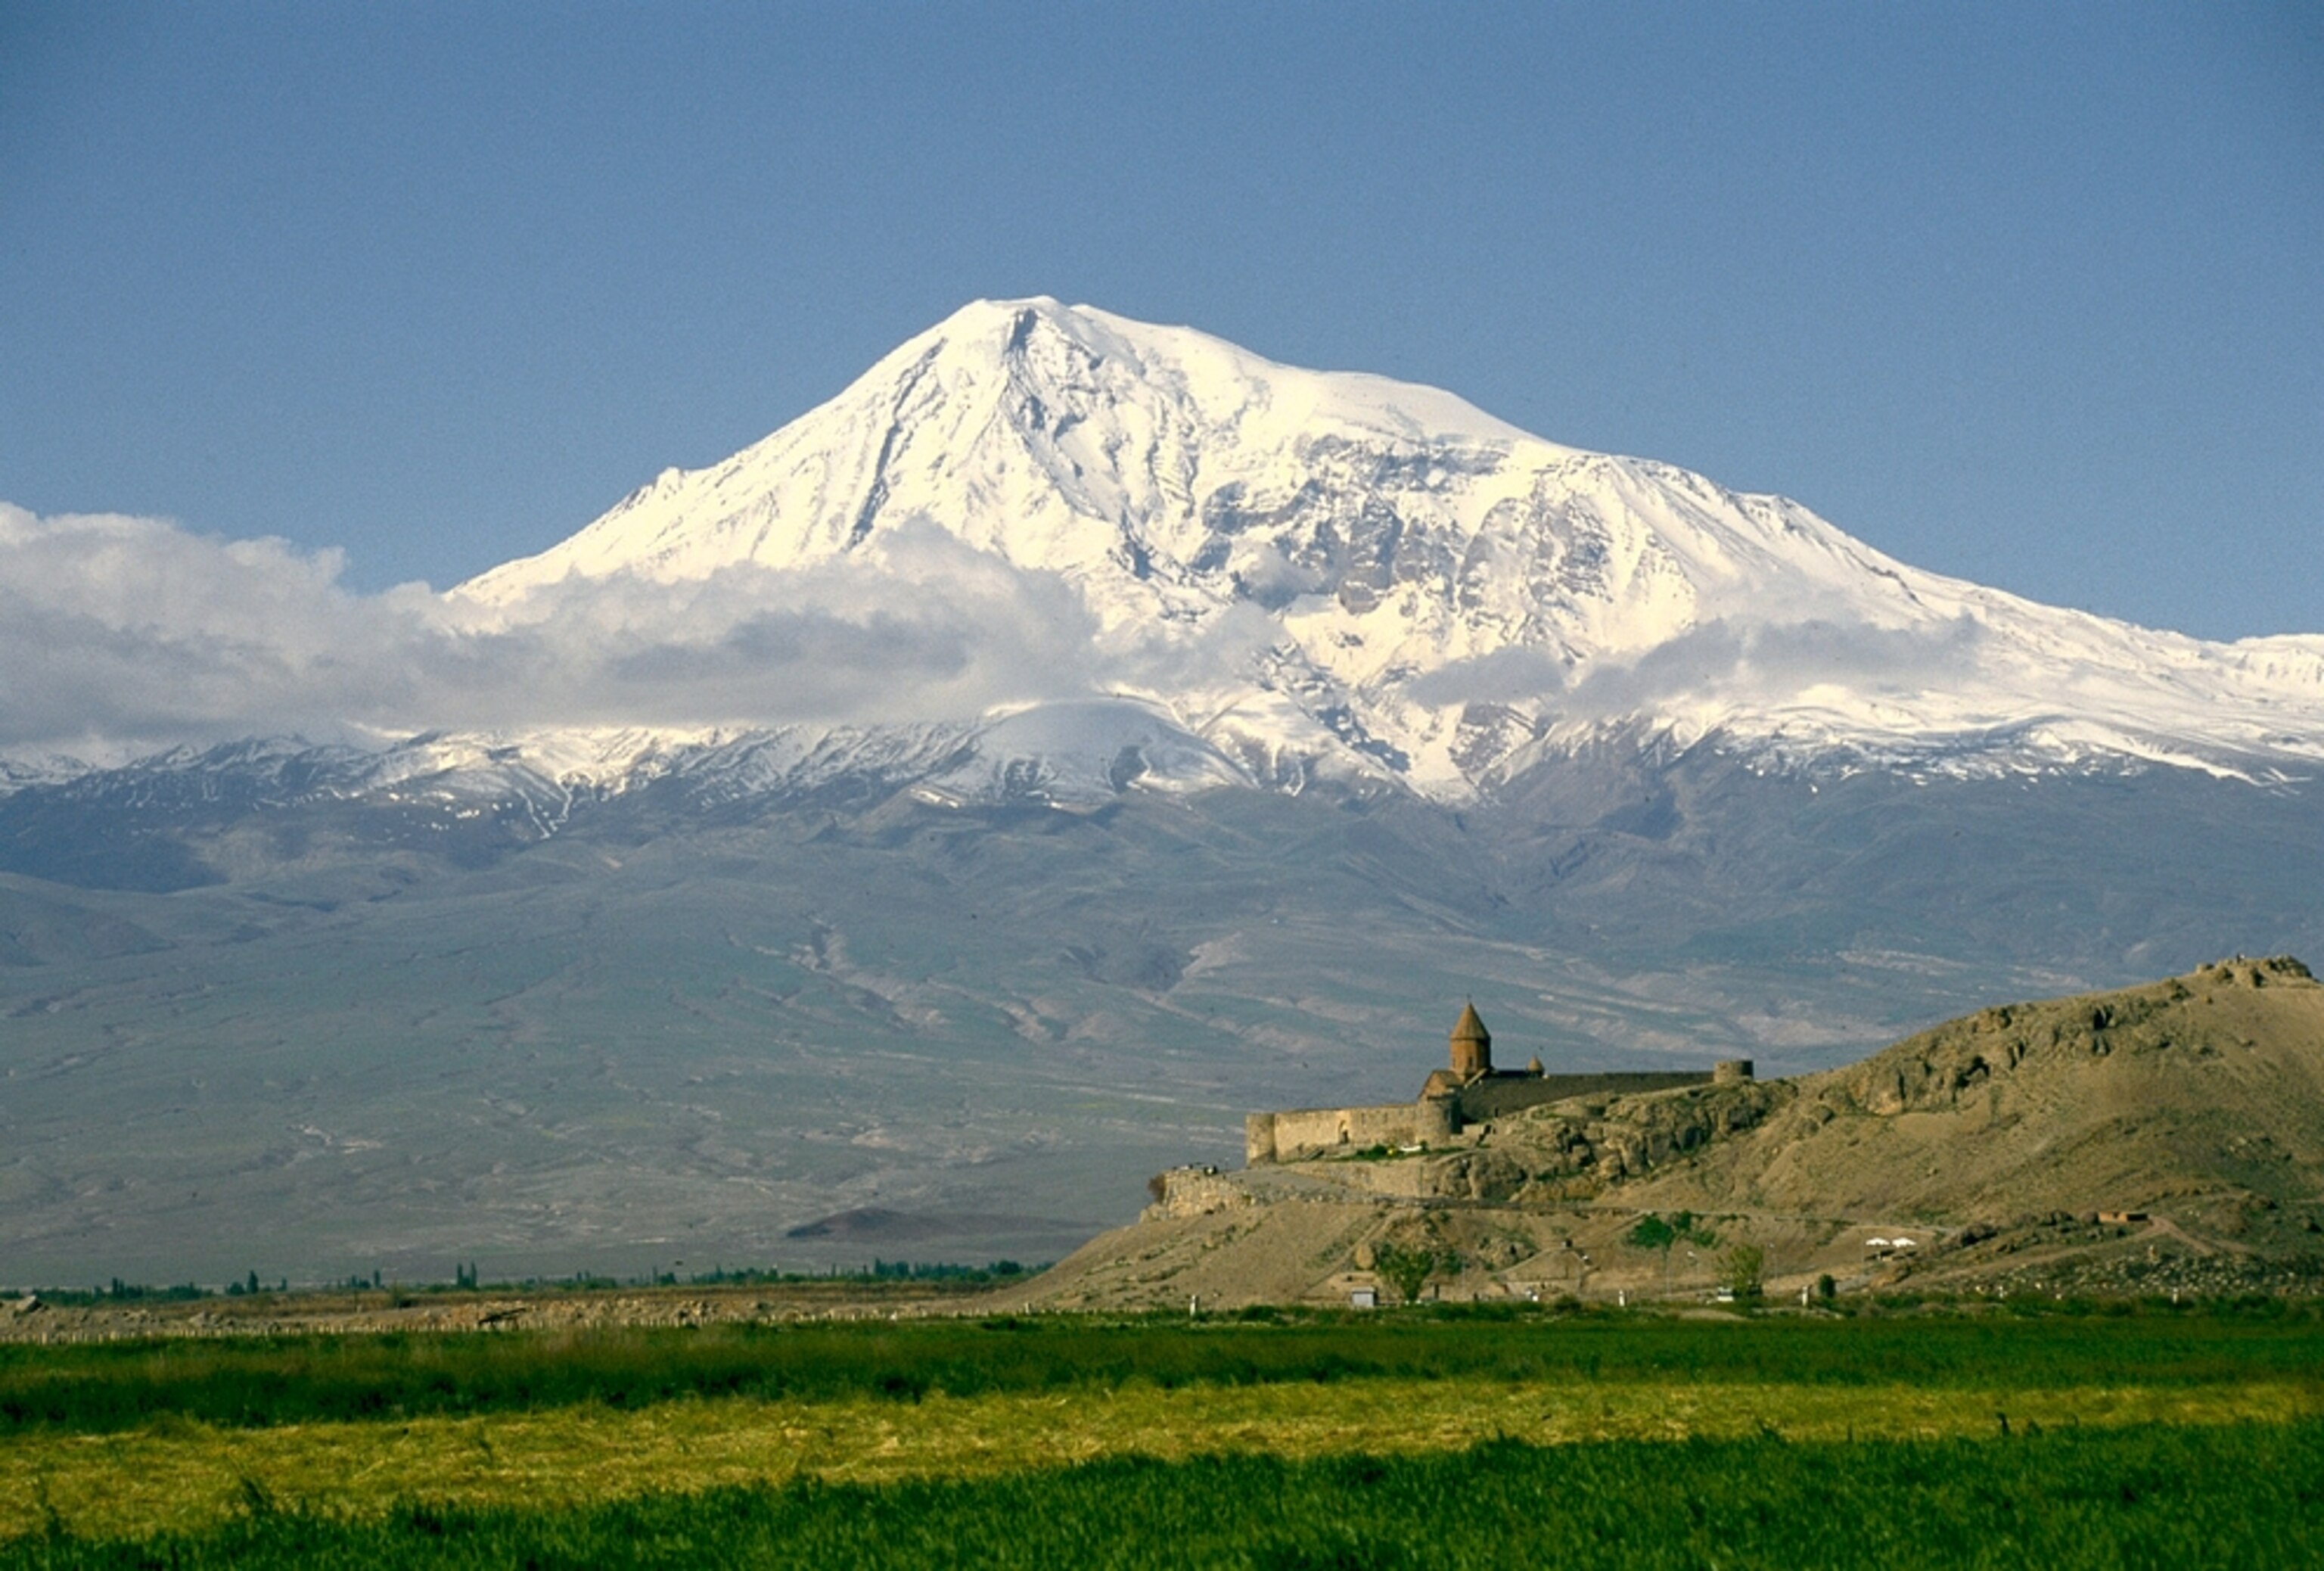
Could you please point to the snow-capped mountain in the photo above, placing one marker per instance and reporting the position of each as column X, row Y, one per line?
column 1446, row 598
column 1199, row 568
column 1355, row 700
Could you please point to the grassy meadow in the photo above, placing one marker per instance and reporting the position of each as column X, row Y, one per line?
column 1391, row 1439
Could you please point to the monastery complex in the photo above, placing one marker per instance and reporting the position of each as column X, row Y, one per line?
column 1465, row 1093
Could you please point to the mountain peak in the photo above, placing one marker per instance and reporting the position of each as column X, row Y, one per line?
column 1438, row 592
column 1057, row 436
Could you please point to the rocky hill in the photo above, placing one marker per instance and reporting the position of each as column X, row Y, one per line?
column 2202, row 1093
column 2166, row 1137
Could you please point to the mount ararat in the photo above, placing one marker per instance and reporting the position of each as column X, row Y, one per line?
column 980, row 791
column 1311, row 571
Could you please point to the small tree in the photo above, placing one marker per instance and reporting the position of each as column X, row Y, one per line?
column 1408, row 1270
column 1656, row 1234
column 1739, row 1269
column 1651, row 1232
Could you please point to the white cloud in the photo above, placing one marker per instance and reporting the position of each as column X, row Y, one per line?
column 129, row 632
column 119, row 635
column 1764, row 666
column 1760, row 665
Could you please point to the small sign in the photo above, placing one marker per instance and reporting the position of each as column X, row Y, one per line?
column 1364, row 1298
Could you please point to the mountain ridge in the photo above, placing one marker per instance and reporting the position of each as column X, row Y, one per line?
column 1446, row 598
column 1292, row 574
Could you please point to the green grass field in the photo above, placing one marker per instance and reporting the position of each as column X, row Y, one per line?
column 248, row 1382
column 2194, row 1438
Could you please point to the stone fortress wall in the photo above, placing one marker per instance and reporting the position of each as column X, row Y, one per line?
column 1308, row 1130
column 1453, row 1100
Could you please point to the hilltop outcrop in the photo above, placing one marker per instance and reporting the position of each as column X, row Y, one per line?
column 2165, row 1137
column 2204, row 1093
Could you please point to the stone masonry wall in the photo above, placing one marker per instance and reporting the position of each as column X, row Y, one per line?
column 1503, row 1095
column 1306, row 1133
column 1309, row 1132
column 1195, row 1192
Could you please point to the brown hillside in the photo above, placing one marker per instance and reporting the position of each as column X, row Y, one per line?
column 2203, row 1093
column 2187, row 1113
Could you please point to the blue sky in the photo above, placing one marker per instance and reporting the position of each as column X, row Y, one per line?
column 2034, row 295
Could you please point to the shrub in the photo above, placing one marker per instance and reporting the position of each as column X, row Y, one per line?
column 1408, row 1268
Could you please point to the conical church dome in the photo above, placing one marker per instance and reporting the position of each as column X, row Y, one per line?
column 1472, row 1046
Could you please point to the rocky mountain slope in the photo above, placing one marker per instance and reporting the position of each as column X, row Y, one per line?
column 2169, row 1135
